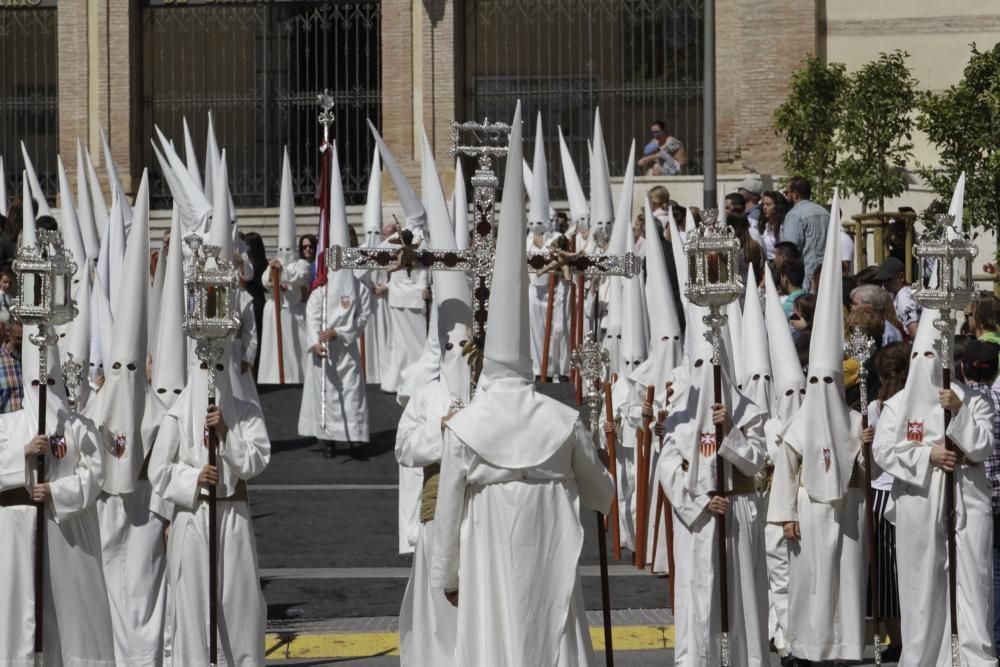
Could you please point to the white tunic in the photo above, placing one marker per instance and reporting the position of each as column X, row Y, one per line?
column 827, row 581
column 176, row 462
column 921, row 541
column 696, row 587
column 378, row 333
column 346, row 402
column 538, row 289
column 509, row 540
column 294, row 281
column 427, row 621
column 76, row 620
column 407, row 322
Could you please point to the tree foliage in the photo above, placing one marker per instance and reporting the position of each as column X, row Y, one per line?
column 963, row 123
column 876, row 128
column 808, row 121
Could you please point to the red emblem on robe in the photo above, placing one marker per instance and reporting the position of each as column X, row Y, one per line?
column 345, row 302
column 58, row 444
column 707, row 444
column 914, row 431
column 827, row 457
column 121, row 441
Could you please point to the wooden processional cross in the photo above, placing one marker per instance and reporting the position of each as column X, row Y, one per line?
column 488, row 141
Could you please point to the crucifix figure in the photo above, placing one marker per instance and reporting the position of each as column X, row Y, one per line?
column 485, row 141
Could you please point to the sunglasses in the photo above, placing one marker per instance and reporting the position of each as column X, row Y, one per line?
column 307, row 246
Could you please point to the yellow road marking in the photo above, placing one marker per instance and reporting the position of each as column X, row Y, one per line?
column 292, row 646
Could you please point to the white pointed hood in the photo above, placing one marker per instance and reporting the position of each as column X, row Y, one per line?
column 921, row 418
column 85, row 209
column 77, row 341
column 123, row 397
column 373, row 204
column 196, row 208
column 786, row 372
column 666, row 348
column 821, row 432
column 958, row 201
column 579, row 211
column 97, row 200
column 100, row 327
column 756, row 376
column 734, row 326
column 116, row 250
column 28, row 236
column 507, row 423
column 635, row 341
column 677, row 250
column 211, row 159
column 37, row 193
column 190, row 157
column 156, row 289
column 539, row 220
column 114, row 182
column 70, row 227
column 460, row 208
column 432, row 194
column 416, row 216
column 56, row 411
column 287, row 252
column 601, row 212
column 170, row 349
column 338, row 282
column 221, row 231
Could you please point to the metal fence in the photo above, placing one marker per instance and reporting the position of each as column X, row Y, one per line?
column 258, row 67
column 29, row 99
column 638, row 60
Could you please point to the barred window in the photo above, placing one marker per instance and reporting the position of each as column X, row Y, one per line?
column 258, row 67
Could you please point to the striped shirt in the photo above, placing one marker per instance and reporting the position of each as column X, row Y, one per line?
column 992, row 462
column 11, row 386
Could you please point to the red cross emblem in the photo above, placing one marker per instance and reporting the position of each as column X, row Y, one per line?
column 827, row 457
column 707, row 444
column 58, row 444
column 121, row 441
column 914, row 431
column 345, row 302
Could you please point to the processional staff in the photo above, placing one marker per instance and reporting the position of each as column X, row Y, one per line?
column 44, row 299
column 325, row 118
column 210, row 284
column 860, row 347
column 714, row 283
column 944, row 268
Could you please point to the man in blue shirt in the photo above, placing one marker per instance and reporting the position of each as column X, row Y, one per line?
column 805, row 225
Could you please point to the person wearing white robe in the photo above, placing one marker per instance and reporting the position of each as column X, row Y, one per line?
column 181, row 475
column 516, row 466
column 76, row 619
column 687, row 474
column 348, row 304
column 377, row 329
column 817, row 494
column 909, row 444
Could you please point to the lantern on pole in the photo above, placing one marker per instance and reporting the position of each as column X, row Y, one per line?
column 714, row 283
column 45, row 269
column 944, row 282
column 210, row 288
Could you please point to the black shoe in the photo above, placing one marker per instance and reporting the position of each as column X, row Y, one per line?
column 564, row 378
column 358, row 452
column 329, row 450
column 892, row 654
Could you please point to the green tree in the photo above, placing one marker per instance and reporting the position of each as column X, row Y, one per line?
column 876, row 129
column 963, row 123
column 808, row 120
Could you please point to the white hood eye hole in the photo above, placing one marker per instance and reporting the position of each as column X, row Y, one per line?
column 161, row 390
column 131, row 367
column 929, row 355
column 203, row 366
column 220, row 367
column 756, row 376
column 827, row 379
column 449, row 346
column 177, row 391
column 802, row 391
column 790, row 392
column 913, row 356
column 117, row 365
column 767, row 378
column 699, row 363
column 813, row 380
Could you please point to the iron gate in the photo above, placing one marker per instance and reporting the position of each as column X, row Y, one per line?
column 29, row 96
column 258, row 67
column 639, row 60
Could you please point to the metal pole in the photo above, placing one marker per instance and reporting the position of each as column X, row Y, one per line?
column 708, row 110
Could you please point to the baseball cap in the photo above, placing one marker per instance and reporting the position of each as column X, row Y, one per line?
column 752, row 184
column 888, row 269
column 981, row 358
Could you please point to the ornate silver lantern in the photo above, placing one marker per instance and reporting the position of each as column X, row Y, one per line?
column 45, row 271
column 210, row 287
column 713, row 280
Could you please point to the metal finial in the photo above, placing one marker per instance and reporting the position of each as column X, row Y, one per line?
column 326, row 116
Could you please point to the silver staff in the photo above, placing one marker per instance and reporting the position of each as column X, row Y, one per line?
column 326, row 117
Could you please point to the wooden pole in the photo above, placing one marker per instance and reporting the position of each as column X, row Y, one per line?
column 572, row 327
column 364, row 356
column 577, row 309
column 720, row 490
column 870, row 529
column 546, row 344
column 39, row 583
column 276, row 291
column 609, row 416
column 949, row 501
column 642, row 480
column 213, row 552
